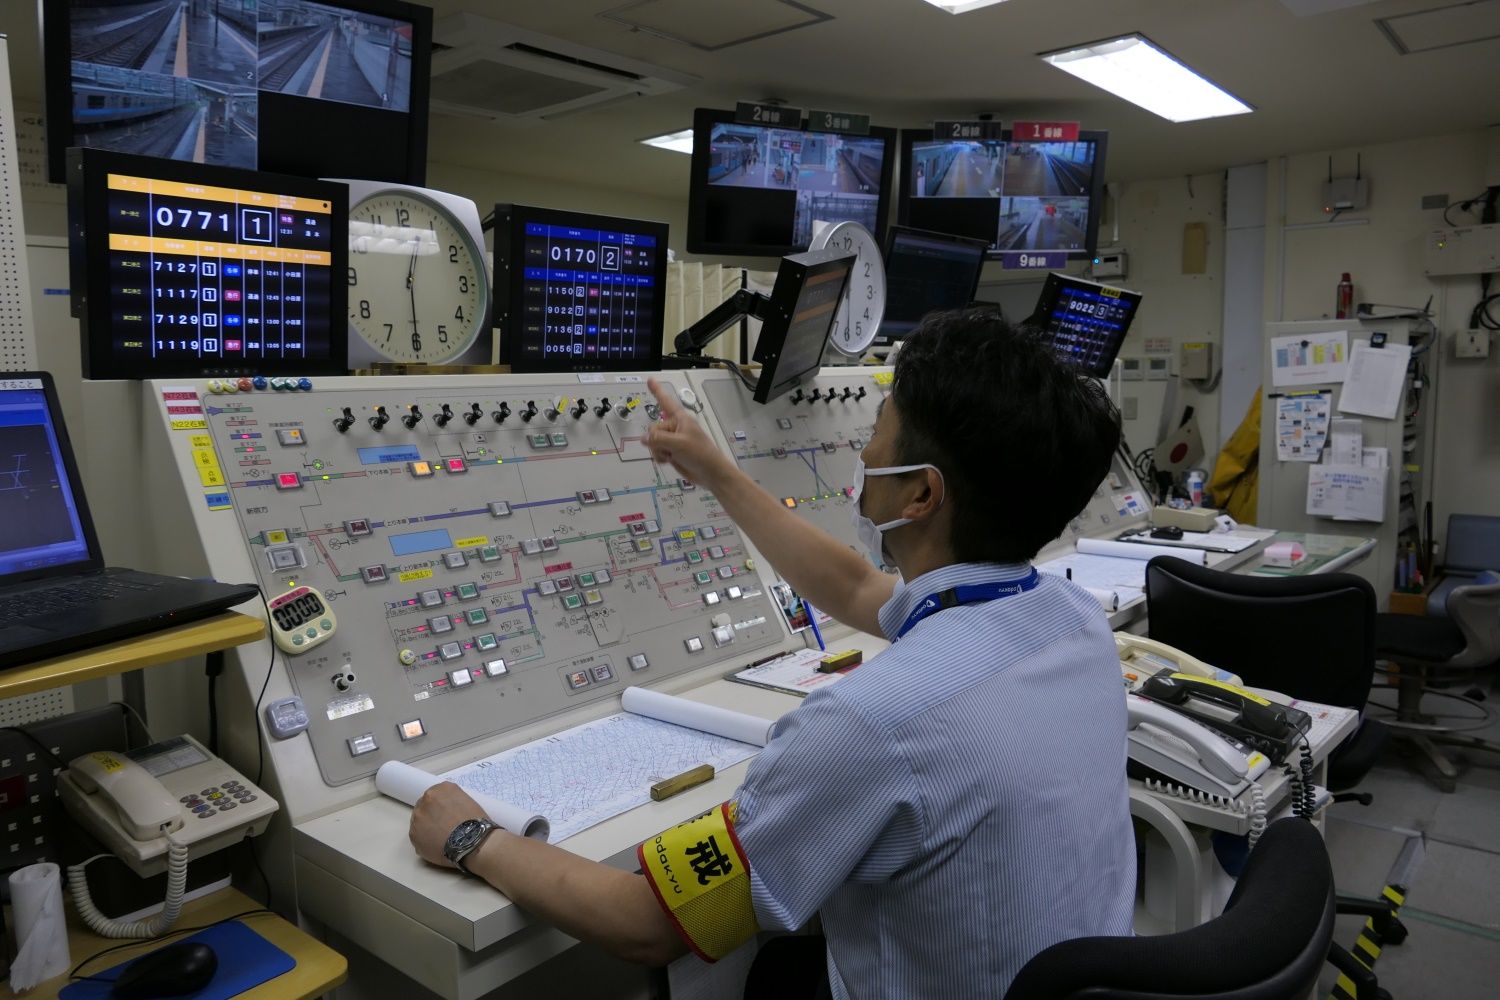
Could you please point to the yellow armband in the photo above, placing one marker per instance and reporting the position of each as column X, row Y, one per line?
column 702, row 880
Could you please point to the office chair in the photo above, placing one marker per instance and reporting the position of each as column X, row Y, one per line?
column 1432, row 653
column 1269, row 944
column 1311, row 637
column 1472, row 546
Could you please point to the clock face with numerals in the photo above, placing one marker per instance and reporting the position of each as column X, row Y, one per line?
column 863, row 305
column 418, row 286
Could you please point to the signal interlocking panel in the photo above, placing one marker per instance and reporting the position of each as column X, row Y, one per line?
column 801, row 446
column 495, row 551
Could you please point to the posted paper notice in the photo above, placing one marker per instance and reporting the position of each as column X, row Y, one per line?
column 1348, row 492
column 1302, row 425
column 1309, row 359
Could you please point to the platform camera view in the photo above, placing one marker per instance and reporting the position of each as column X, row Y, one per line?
column 181, row 78
column 835, row 177
column 1042, row 188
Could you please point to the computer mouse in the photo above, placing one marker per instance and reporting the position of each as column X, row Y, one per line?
column 172, row 971
column 1170, row 532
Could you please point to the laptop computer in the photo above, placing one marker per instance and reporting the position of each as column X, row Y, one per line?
column 56, row 594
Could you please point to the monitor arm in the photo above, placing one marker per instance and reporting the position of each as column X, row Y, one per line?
column 690, row 342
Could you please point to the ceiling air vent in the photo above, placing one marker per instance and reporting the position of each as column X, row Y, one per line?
column 488, row 69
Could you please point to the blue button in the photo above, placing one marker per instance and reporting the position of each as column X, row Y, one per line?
column 259, row 381
column 304, row 384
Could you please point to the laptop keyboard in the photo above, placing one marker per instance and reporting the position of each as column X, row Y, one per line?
column 66, row 597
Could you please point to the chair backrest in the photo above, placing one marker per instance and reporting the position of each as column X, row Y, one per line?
column 1269, row 944
column 1473, row 543
column 1312, row 637
column 1476, row 612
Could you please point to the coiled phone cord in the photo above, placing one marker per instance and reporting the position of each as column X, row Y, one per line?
column 1304, row 794
column 1255, row 810
column 78, row 887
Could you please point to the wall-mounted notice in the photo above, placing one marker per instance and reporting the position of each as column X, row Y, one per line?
column 1309, row 359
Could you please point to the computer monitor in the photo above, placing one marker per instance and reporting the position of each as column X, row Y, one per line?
column 1024, row 199
column 925, row 273
column 798, row 318
column 322, row 89
column 576, row 292
column 182, row 269
column 44, row 525
column 1085, row 321
column 756, row 190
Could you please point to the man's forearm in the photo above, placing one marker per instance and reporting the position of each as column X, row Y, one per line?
column 595, row 903
column 820, row 568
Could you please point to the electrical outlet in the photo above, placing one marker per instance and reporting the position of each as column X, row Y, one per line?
column 1471, row 344
column 1131, row 409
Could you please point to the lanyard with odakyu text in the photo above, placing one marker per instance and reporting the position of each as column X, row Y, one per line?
column 977, row 593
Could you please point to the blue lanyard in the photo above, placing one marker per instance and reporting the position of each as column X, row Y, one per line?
column 977, row 593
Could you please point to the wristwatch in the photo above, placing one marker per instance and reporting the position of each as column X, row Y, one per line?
column 465, row 840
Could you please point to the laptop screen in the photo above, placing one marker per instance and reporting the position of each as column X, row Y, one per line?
column 40, row 525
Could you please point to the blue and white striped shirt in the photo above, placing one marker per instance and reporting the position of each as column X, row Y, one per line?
column 956, row 804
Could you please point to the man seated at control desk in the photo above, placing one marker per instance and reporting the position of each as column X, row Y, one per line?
column 956, row 804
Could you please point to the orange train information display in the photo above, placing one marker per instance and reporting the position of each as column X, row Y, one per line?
column 196, row 270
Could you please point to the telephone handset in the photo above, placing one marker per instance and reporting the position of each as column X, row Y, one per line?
column 1165, row 742
column 1141, row 657
column 138, row 804
column 146, row 810
column 1275, row 729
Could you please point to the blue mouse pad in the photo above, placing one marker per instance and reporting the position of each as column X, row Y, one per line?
column 245, row 960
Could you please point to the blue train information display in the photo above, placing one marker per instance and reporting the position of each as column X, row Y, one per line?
column 579, row 293
column 589, row 293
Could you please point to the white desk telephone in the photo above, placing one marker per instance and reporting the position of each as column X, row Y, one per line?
column 132, row 803
column 155, row 808
column 1166, row 741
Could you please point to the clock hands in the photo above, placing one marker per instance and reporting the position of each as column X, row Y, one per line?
column 411, row 287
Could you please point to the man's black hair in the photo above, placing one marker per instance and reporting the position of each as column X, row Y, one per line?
column 1022, row 437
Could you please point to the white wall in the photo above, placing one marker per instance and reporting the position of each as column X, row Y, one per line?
column 1384, row 257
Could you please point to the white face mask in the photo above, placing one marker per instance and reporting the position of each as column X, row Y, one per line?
column 871, row 534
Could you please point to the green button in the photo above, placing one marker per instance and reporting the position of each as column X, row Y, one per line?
column 489, row 553
column 467, row 591
column 694, row 556
column 312, row 633
column 297, row 640
column 702, row 576
column 572, row 602
column 477, row 616
column 325, row 624
column 486, row 641
column 585, row 579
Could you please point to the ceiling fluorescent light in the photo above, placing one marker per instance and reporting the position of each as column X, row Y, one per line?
column 1133, row 68
column 962, row 6
column 677, row 142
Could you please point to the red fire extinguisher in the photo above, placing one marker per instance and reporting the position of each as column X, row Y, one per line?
column 1346, row 298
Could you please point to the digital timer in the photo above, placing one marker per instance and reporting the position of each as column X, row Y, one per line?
column 300, row 620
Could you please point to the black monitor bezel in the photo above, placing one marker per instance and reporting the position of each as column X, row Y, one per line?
column 697, row 238
column 88, row 170
column 1052, row 289
column 95, row 559
column 1096, row 189
column 895, row 230
column 506, row 282
column 57, row 60
column 777, row 312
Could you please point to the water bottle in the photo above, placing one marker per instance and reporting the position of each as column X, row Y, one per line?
column 1195, row 480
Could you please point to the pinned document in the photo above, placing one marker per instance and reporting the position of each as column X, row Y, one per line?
column 1350, row 492
column 1375, row 380
column 1302, row 425
column 1309, row 358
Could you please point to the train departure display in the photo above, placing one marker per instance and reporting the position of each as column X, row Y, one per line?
column 579, row 293
column 210, row 274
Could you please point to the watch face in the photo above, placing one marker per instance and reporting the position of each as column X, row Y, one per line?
column 863, row 305
column 418, row 286
column 463, row 838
